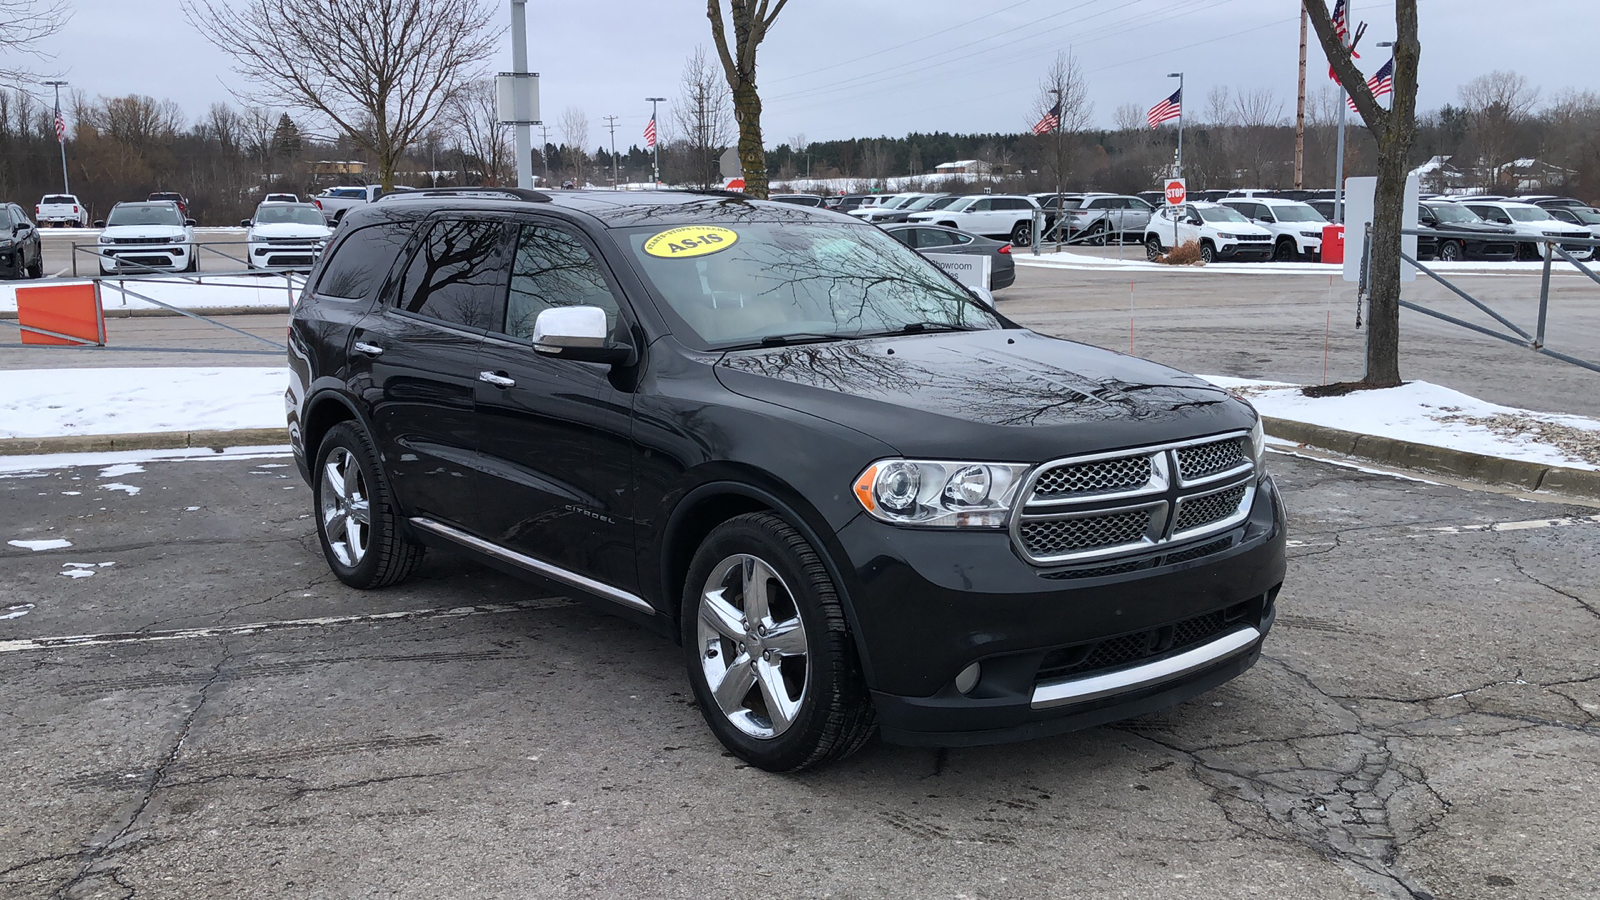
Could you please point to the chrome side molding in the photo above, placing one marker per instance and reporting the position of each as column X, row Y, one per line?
column 1060, row 693
column 537, row 566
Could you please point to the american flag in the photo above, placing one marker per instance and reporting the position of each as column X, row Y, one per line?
column 1341, row 28
column 1050, row 122
column 650, row 134
column 1381, row 82
column 1167, row 110
column 61, row 126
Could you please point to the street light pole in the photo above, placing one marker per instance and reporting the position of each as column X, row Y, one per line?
column 653, row 121
column 66, row 188
column 611, row 123
column 1181, row 117
column 544, row 151
column 523, row 133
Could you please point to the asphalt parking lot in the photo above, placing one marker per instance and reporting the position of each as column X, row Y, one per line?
column 240, row 724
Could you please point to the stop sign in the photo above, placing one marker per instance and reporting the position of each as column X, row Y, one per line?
column 1175, row 191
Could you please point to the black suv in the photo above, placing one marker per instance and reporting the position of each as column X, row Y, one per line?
column 857, row 495
column 21, row 249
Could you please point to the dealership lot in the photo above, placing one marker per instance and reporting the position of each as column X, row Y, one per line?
column 1425, row 718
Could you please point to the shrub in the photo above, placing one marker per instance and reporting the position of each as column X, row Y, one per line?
column 1185, row 254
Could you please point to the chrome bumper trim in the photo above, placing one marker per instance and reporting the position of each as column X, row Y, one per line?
column 1079, row 690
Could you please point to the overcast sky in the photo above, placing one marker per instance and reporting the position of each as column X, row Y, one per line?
column 860, row 68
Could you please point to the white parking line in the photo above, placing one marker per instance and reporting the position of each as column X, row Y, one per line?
column 183, row 634
column 1525, row 525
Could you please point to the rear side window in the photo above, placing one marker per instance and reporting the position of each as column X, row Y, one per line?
column 553, row 268
column 359, row 262
column 458, row 274
column 57, row 198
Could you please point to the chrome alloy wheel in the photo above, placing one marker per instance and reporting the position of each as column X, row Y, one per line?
column 753, row 646
column 346, row 512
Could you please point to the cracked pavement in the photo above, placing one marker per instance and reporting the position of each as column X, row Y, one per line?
column 1423, row 724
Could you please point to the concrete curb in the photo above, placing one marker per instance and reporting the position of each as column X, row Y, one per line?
column 153, row 312
column 1528, row 476
column 157, row 440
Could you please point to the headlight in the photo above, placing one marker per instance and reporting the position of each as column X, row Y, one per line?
column 951, row 494
column 1227, row 237
column 1315, row 234
column 105, row 240
column 1258, row 443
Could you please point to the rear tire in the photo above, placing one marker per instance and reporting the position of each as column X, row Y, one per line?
column 1097, row 235
column 1022, row 234
column 1152, row 249
column 769, row 653
column 358, row 523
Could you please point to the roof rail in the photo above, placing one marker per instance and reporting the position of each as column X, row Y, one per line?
column 709, row 192
column 487, row 193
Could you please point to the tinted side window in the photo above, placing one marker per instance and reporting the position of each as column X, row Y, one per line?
column 458, row 274
column 906, row 236
column 553, row 268
column 932, row 238
column 359, row 262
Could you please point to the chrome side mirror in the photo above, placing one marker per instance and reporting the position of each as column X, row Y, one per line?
column 578, row 333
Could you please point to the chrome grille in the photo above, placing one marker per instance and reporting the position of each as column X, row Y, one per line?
column 1196, row 512
column 1203, row 460
column 1104, row 476
column 1050, row 537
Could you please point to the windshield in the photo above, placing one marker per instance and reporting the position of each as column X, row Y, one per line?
column 1299, row 212
column 1450, row 212
column 1219, row 214
column 897, row 202
column 926, row 202
column 1527, row 214
column 1586, row 216
column 144, row 214
column 962, row 203
column 289, row 215
column 805, row 281
column 941, row 202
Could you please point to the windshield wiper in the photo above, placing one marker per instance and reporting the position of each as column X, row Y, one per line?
column 784, row 340
column 924, row 328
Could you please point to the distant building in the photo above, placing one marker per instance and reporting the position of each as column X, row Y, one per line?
column 332, row 168
column 964, row 167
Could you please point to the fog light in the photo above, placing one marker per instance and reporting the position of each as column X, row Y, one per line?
column 968, row 679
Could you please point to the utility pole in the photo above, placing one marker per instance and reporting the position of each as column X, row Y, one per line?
column 611, row 123
column 519, row 68
column 1181, row 117
column 544, row 151
column 61, row 138
column 1300, row 110
column 656, row 126
column 1061, row 219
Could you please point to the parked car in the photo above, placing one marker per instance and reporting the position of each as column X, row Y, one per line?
column 1473, row 238
column 1221, row 232
column 284, row 236
column 1101, row 217
column 1154, row 198
column 1208, row 196
column 996, row 216
column 1550, row 201
column 992, row 534
column 336, row 201
column 1531, row 221
column 1325, row 209
column 811, row 200
column 897, row 210
column 21, row 248
column 62, row 211
column 145, row 237
column 1296, row 228
column 1581, row 216
column 938, row 239
column 173, row 196
column 281, row 198
column 846, row 202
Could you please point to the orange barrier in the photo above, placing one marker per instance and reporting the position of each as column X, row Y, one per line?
column 70, row 313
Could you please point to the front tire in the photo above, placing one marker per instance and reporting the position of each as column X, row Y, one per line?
column 1452, row 251
column 1285, row 251
column 357, row 522
column 769, row 653
column 37, row 269
column 1208, row 253
column 1022, row 234
column 1152, row 249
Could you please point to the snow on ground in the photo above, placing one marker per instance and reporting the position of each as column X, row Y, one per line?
column 1134, row 261
column 1426, row 413
column 47, row 402
column 36, row 466
column 36, row 546
column 267, row 291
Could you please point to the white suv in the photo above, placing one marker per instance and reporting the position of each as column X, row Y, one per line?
column 1296, row 228
column 146, row 236
column 1221, row 232
column 285, row 235
column 997, row 216
column 1528, row 220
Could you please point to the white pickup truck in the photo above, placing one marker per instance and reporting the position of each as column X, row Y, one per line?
column 61, row 210
column 335, row 200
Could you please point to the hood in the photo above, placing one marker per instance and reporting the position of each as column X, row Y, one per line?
column 1240, row 228
column 290, row 230
column 1473, row 227
column 175, row 232
column 991, row 395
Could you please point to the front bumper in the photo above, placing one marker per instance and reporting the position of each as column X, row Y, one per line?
column 268, row 255
column 136, row 258
column 1058, row 648
column 1251, row 250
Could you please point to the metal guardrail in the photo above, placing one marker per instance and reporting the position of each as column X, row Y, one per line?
column 1553, row 247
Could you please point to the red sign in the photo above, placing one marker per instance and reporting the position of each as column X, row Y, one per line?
column 1175, row 192
column 734, row 184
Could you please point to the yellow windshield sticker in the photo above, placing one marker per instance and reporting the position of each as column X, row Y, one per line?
column 695, row 240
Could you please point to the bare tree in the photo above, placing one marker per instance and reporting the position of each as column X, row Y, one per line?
column 1063, row 92
column 1394, row 129
column 703, row 114
column 380, row 71
column 1498, row 105
column 23, row 24
column 479, row 132
column 800, row 143
column 750, row 20
column 574, row 125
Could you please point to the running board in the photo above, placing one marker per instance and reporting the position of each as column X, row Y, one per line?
column 536, row 566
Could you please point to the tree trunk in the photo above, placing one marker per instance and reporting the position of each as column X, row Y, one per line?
column 752, row 155
column 1383, row 318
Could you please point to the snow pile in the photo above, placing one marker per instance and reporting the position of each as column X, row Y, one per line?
column 48, row 402
column 1425, row 413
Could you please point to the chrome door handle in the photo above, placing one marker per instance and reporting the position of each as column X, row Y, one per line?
column 368, row 349
column 499, row 381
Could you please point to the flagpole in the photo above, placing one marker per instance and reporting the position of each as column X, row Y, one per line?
column 1060, row 213
column 66, row 187
column 1179, row 76
column 657, row 165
